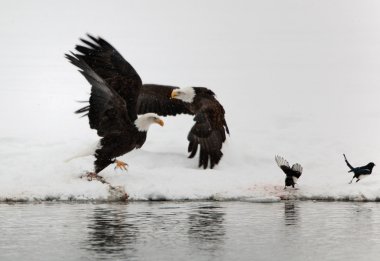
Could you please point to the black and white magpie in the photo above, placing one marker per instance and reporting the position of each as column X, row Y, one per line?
column 359, row 172
column 292, row 173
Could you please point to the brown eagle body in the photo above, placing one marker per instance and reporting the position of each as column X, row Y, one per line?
column 112, row 105
column 116, row 144
column 209, row 130
column 210, row 126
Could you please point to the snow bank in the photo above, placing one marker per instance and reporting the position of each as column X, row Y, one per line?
column 37, row 171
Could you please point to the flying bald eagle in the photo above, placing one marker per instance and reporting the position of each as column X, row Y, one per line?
column 112, row 106
column 210, row 128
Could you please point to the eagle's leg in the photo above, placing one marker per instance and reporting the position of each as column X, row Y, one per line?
column 121, row 165
column 351, row 180
column 93, row 176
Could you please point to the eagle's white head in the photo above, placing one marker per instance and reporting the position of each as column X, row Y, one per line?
column 144, row 121
column 186, row 94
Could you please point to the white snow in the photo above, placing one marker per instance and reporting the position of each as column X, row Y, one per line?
column 297, row 79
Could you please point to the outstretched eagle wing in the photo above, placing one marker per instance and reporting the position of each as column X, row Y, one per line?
column 108, row 63
column 157, row 98
column 209, row 133
column 107, row 111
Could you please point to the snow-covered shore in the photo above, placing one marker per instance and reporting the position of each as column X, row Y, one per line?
column 33, row 171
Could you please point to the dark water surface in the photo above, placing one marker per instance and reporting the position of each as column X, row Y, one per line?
column 289, row 230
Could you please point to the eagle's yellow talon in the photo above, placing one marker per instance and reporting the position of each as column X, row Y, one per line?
column 121, row 165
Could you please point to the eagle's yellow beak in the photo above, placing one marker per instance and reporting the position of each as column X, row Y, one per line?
column 159, row 121
column 174, row 94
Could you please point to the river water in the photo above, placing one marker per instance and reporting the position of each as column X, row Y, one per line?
column 287, row 230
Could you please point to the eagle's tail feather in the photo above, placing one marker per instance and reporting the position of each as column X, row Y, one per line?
column 88, row 152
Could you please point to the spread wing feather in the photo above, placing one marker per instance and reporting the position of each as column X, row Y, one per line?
column 107, row 111
column 283, row 164
column 157, row 98
column 108, row 63
column 294, row 171
column 297, row 168
column 208, row 133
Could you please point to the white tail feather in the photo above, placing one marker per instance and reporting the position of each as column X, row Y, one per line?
column 88, row 152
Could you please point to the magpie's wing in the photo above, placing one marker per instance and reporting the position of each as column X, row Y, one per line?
column 283, row 164
column 297, row 170
column 362, row 170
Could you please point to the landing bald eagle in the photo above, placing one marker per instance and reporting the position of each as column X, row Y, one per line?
column 112, row 109
column 209, row 130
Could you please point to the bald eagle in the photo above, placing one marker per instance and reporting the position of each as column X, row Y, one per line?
column 210, row 128
column 112, row 108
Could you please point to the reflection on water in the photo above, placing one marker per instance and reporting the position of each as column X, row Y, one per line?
column 291, row 213
column 109, row 232
column 206, row 228
column 289, row 230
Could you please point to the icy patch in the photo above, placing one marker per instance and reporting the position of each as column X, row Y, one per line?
column 261, row 200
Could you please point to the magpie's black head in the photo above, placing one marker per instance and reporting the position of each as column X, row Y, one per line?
column 371, row 165
column 289, row 181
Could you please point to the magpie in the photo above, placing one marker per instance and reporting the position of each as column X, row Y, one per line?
column 359, row 172
column 292, row 173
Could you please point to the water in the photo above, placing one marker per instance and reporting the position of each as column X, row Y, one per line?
column 299, row 230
